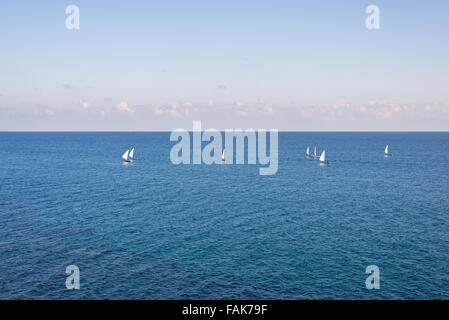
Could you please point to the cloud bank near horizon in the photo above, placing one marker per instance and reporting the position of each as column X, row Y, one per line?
column 122, row 115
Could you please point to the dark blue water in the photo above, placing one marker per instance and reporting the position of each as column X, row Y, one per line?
column 153, row 230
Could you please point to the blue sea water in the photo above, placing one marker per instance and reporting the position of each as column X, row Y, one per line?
column 154, row 230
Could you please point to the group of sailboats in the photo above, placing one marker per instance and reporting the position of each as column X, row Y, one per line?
column 322, row 157
column 314, row 155
column 128, row 156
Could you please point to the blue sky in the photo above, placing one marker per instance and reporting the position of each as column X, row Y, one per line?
column 158, row 65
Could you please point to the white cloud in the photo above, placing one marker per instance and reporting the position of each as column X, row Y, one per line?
column 266, row 107
column 85, row 104
column 170, row 109
column 176, row 109
column 158, row 111
column 123, row 106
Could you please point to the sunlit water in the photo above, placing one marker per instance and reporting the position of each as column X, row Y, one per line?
column 153, row 230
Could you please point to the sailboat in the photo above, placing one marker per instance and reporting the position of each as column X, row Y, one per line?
column 323, row 158
column 314, row 152
column 131, row 155
column 223, row 160
column 387, row 154
column 125, row 156
column 308, row 152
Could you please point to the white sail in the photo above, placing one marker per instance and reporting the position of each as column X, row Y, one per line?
column 314, row 151
column 131, row 154
column 125, row 155
column 223, row 156
column 307, row 151
column 323, row 156
column 386, row 149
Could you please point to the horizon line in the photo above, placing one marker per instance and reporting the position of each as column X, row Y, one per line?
column 166, row 131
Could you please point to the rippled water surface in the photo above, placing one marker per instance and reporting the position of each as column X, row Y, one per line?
column 153, row 230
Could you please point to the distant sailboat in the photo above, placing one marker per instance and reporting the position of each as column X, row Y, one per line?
column 314, row 155
column 131, row 155
column 223, row 160
column 125, row 156
column 323, row 158
column 387, row 154
column 308, row 152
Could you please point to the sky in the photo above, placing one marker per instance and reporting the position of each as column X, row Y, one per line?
column 287, row 65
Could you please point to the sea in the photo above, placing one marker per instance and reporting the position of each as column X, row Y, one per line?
column 151, row 229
